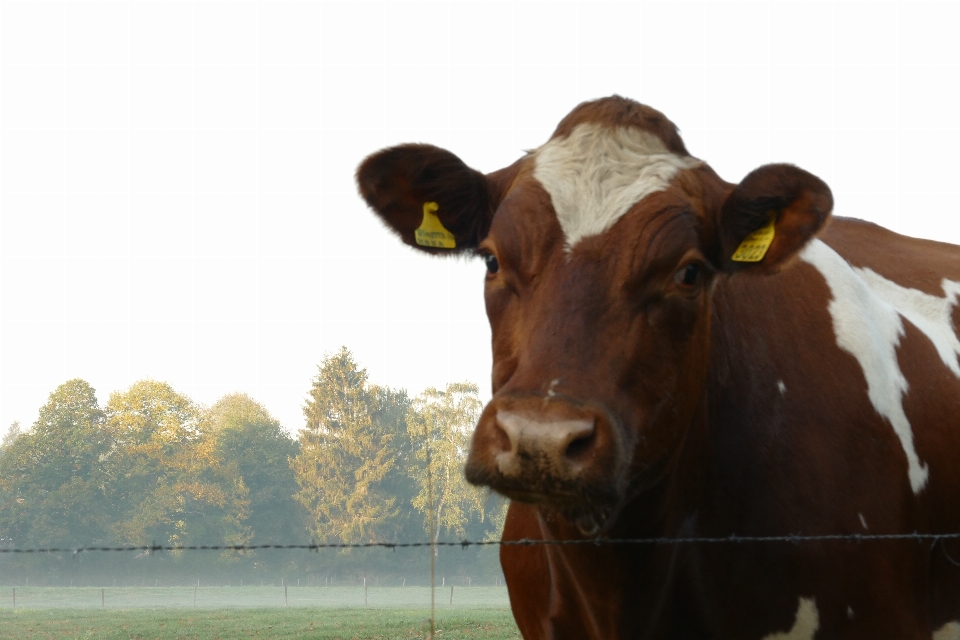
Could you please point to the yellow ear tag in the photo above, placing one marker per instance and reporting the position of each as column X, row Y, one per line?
column 432, row 233
column 755, row 245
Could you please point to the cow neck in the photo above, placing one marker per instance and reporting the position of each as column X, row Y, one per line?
column 599, row 588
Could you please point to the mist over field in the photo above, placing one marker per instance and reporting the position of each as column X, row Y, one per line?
column 150, row 467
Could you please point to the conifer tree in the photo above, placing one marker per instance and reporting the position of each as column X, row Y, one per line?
column 346, row 454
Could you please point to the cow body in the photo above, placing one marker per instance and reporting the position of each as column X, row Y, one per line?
column 791, row 445
column 647, row 385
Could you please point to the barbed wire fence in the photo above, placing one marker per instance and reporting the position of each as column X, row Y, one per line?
column 124, row 599
column 523, row 542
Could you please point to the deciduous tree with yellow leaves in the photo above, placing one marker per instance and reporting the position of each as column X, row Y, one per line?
column 445, row 419
column 169, row 481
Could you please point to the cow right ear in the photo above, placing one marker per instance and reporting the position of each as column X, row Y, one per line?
column 429, row 197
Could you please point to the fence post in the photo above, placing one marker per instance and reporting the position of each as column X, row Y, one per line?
column 451, row 594
column 197, row 586
column 284, row 596
column 103, row 602
column 14, row 598
column 364, row 592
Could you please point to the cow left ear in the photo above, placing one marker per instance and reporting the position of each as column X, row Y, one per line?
column 770, row 216
column 428, row 196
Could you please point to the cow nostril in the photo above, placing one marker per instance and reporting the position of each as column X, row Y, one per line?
column 579, row 447
column 502, row 440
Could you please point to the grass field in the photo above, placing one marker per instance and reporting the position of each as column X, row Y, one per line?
column 250, row 597
column 253, row 612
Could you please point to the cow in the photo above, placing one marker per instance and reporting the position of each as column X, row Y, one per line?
column 677, row 357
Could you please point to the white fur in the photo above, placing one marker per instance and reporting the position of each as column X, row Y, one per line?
column 870, row 330
column 863, row 521
column 949, row 631
column 930, row 314
column 866, row 310
column 598, row 173
column 781, row 387
column 804, row 626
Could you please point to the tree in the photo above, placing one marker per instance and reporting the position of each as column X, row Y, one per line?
column 444, row 421
column 13, row 432
column 346, row 454
column 52, row 477
column 252, row 441
column 169, row 483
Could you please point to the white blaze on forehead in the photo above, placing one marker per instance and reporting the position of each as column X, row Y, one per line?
column 804, row 626
column 597, row 173
column 866, row 310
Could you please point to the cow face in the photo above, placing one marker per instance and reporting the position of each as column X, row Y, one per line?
column 602, row 249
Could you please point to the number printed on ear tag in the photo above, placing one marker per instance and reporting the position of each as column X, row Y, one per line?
column 431, row 232
column 755, row 245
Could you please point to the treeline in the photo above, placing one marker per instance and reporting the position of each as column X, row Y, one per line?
column 154, row 467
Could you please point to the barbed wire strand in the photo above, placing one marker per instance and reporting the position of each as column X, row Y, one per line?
column 523, row 542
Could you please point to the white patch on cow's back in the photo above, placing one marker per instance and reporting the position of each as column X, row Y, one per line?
column 597, row 173
column 781, row 387
column 869, row 328
column 930, row 314
column 949, row 631
column 804, row 626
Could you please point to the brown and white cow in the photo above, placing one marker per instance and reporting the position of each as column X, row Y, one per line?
column 648, row 384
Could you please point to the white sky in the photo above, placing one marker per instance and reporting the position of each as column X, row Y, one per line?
column 176, row 178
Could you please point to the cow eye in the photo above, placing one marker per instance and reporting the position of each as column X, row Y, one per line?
column 688, row 276
column 492, row 265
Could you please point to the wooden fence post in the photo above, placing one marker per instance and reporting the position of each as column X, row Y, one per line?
column 451, row 594
column 364, row 592
column 196, row 586
column 284, row 596
column 103, row 603
column 14, row 597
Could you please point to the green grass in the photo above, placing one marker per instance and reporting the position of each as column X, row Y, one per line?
column 240, row 612
column 346, row 624
column 251, row 597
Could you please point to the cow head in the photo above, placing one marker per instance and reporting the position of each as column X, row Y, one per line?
column 603, row 248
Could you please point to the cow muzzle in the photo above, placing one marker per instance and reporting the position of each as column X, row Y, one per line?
column 550, row 452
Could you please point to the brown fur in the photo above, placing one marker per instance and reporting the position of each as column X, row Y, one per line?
column 622, row 112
